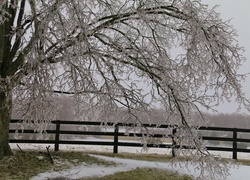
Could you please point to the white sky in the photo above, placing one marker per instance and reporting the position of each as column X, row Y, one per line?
column 239, row 13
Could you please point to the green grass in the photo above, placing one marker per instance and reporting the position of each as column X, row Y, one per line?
column 158, row 157
column 24, row 165
column 143, row 173
column 243, row 162
column 144, row 157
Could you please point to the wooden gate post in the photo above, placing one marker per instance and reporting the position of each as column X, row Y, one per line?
column 57, row 135
column 115, row 149
column 173, row 142
column 235, row 143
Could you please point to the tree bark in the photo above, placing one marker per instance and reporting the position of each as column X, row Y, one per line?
column 5, row 116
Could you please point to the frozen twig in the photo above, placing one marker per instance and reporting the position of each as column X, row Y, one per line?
column 50, row 157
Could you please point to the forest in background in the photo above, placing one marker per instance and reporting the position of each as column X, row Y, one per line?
column 89, row 112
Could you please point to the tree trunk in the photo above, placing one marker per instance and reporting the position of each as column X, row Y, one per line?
column 5, row 116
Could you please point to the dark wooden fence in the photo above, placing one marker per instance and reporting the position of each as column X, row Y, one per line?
column 57, row 132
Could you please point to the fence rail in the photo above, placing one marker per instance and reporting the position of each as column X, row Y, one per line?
column 58, row 132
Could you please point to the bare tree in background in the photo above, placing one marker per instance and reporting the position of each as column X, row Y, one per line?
column 120, row 53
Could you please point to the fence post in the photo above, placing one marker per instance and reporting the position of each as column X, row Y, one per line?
column 173, row 142
column 116, row 131
column 57, row 135
column 235, row 143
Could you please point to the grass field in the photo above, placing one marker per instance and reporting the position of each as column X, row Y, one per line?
column 23, row 165
column 143, row 173
column 26, row 164
column 128, row 138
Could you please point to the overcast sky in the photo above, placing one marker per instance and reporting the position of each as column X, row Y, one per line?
column 239, row 13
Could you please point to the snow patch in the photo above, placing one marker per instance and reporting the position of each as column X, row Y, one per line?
column 84, row 170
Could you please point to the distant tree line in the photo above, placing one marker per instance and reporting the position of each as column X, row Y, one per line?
column 92, row 112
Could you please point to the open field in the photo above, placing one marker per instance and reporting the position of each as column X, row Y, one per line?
column 26, row 164
column 102, row 162
column 134, row 139
column 133, row 150
column 143, row 173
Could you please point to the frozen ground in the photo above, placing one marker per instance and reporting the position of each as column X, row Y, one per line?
column 120, row 149
column 84, row 170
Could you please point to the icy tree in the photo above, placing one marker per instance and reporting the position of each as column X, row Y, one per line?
column 120, row 53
